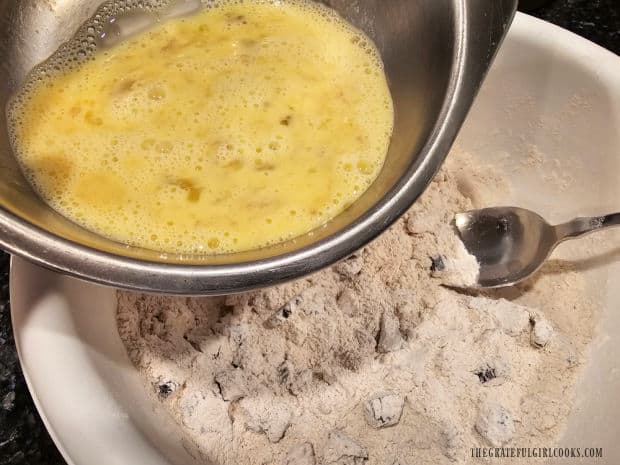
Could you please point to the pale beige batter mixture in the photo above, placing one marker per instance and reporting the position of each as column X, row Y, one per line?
column 372, row 361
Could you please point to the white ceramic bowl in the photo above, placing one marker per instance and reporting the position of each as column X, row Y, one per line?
column 548, row 88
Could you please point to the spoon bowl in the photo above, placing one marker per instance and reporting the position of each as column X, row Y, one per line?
column 512, row 243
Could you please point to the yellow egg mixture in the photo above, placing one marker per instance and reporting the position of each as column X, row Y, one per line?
column 243, row 125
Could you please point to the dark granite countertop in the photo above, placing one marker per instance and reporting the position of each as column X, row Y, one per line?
column 23, row 438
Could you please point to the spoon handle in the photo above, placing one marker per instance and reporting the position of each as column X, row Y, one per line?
column 580, row 226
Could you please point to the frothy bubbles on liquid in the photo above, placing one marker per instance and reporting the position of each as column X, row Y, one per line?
column 112, row 24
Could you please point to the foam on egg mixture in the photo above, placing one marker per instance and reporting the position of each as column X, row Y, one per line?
column 243, row 125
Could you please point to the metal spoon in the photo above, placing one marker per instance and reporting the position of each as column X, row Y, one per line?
column 512, row 243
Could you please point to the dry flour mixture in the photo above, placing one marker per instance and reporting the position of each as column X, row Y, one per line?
column 374, row 360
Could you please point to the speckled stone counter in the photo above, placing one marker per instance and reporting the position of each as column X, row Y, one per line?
column 23, row 438
column 596, row 20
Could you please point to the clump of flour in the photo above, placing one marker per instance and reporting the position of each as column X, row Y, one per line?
column 373, row 360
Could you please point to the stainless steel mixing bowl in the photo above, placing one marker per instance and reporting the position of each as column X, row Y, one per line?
column 436, row 54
